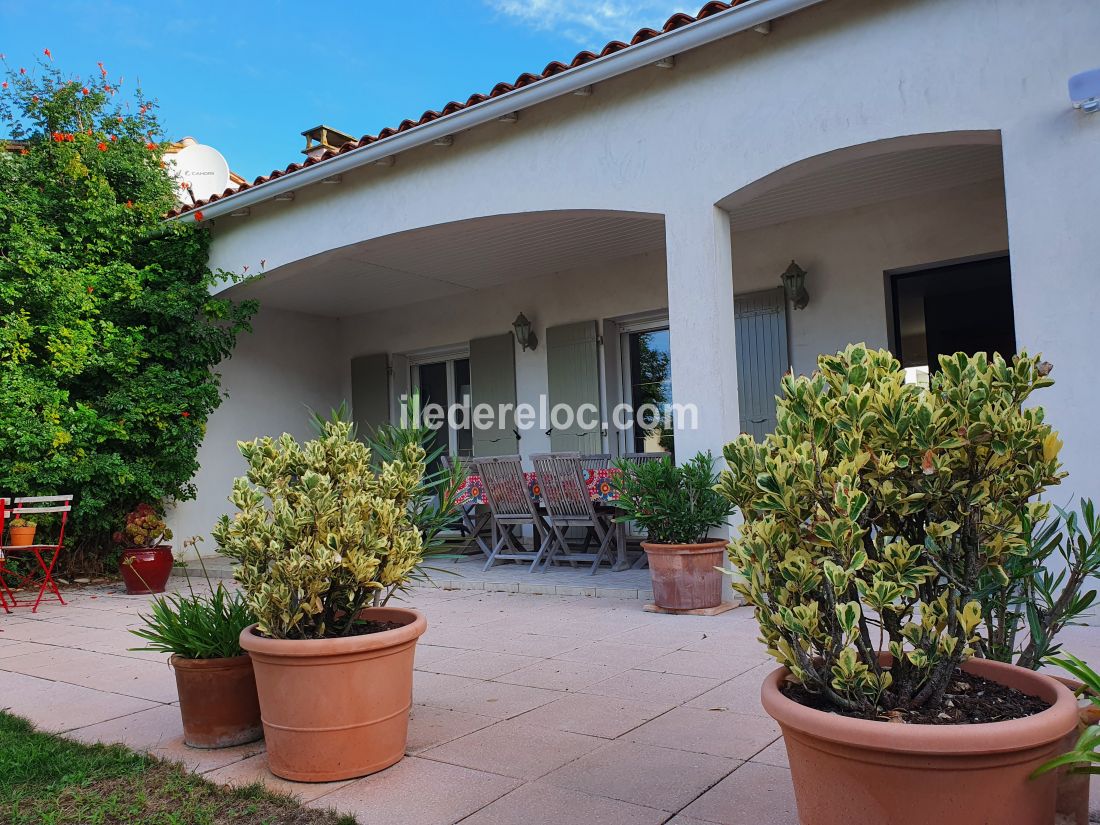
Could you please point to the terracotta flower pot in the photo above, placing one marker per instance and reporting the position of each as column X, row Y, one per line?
column 217, row 701
column 149, row 570
column 684, row 575
column 21, row 536
column 336, row 708
column 1073, row 788
column 857, row 770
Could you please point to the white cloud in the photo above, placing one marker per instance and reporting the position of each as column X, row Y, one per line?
column 586, row 21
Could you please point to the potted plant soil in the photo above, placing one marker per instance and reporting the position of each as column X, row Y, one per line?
column 322, row 540
column 146, row 562
column 21, row 532
column 677, row 507
column 871, row 516
column 214, row 676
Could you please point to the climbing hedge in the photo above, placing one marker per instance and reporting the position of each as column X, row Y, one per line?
column 109, row 336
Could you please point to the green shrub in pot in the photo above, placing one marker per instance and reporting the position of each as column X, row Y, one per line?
column 673, row 504
column 875, row 511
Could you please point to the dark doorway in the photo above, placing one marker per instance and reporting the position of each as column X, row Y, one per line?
column 963, row 307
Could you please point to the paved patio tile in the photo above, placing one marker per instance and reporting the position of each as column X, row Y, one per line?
column 254, row 769
column 776, row 755
column 115, row 674
column 559, row 674
column 515, row 748
column 527, row 644
column 605, row 716
column 159, row 731
column 417, row 792
column 537, row 803
column 647, row 686
column 643, row 774
column 481, row 664
column 614, row 654
column 740, row 694
column 17, row 648
column 429, row 727
column 751, row 795
column 58, row 706
column 476, row 696
column 694, row 663
column 719, row 733
column 427, row 655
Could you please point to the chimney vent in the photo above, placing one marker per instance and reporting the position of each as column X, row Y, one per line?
column 319, row 139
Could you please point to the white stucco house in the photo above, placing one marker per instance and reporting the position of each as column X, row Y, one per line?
column 919, row 159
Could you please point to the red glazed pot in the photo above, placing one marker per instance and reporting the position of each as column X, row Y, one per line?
column 149, row 571
column 336, row 708
column 684, row 576
column 218, row 703
column 857, row 770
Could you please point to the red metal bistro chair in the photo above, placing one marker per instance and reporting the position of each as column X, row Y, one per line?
column 45, row 554
column 4, row 503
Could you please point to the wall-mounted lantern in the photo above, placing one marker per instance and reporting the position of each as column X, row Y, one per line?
column 524, row 334
column 794, row 284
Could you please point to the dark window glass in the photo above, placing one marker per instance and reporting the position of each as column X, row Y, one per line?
column 651, row 387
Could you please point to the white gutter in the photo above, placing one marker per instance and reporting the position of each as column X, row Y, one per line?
column 723, row 24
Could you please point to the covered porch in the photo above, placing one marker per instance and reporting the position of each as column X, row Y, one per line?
column 898, row 238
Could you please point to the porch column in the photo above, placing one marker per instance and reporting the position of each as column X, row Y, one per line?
column 701, row 325
column 1053, row 205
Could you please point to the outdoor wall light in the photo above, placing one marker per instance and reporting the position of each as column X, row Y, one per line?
column 1084, row 91
column 524, row 334
column 794, row 284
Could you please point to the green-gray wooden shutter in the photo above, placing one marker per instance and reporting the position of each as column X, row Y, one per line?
column 573, row 378
column 370, row 392
column 493, row 382
column 761, row 327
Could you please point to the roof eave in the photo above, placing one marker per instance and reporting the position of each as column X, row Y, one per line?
column 699, row 33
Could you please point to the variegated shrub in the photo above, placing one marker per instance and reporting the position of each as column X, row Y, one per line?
column 873, row 510
column 318, row 535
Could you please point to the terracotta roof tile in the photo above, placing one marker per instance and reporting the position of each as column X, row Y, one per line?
column 676, row 21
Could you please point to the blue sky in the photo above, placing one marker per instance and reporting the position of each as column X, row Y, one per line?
column 248, row 77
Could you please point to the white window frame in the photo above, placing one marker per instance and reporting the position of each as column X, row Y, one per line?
column 647, row 322
column 436, row 355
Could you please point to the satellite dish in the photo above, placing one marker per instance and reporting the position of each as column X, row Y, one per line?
column 202, row 168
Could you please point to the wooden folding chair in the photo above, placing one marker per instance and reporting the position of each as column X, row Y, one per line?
column 471, row 522
column 569, row 504
column 512, row 506
column 45, row 554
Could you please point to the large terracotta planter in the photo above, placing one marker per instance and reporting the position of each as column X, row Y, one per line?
column 218, row 701
column 148, row 571
column 21, row 536
column 336, row 708
column 856, row 770
column 684, row 575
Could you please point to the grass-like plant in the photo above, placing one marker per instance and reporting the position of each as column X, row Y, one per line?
column 876, row 510
column 319, row 533
column 1085, row 756
column 673, row 504
column 197, row 626
column 1046, row 588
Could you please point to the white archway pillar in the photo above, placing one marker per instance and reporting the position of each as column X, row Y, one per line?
column 701, row 325
column 1053, row 210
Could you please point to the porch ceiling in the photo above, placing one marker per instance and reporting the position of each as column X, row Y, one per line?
column 453, row 258
column 869, row 180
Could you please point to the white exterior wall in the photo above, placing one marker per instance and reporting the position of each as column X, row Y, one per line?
column 279, row 372
column 675, row 142
column 847, row 253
